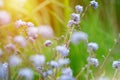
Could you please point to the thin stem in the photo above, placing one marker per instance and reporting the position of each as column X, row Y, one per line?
column 115, row 74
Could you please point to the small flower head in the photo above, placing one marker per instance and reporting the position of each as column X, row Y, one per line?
column 93, row 61
column 26, row 73
column 79, row 9
column 3, row 71
column 10, row 47
column 48, row 43
column 5, row 18
column 32, row 32
column 20, row 40
column 29, row 24
column 62, row 61
column 47, row 73
column 92, row 46
column 14, row 60
column 54, row 64
column 67, row 71
column 70, row 23
column 62, row 50
column 66, row 77
column 78, row 36
column 94, row 4
column 20, row 23
column 45, row 31
column 116, row 64
column 75, row 17
column 38, row 60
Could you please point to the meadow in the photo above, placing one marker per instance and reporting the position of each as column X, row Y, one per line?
column 59, row 40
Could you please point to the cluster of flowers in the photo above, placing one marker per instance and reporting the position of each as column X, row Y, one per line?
column 58, row 68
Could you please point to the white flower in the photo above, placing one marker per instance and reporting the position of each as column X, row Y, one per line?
column 19, row 23
column 66, row 77
column 53, row 64
column 38, row 60
column 62, row 61
column 75, row 17
column 27, row 73
column 78, row 36
column 1, row 52
column 79, row 9
column 47, row 73
column 94, row 4
column 45, row 31
column 92, row 46
column 67, row 71
column 10, row 47
column 48, row 43
column 14, row 60
column 62, row 50
column 5, row 18
column 32, row 32
column 93, row 61
column 20, row 40
column 116, row 64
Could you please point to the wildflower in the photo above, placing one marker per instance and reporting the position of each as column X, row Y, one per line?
column 75, row 17
column 66, row 77
column 19, row 23
column 38, row 60
column 45, row 31
column 94, row 4
column 116, row 64
column 70, row 23
column 93, row 61
column 32, row 32
column 29, row 24
column 63, row 61
column 26, row 73
column 47, row 73
column 79, row 9
column 1, row 52
column 10, row 47
column 14, row 60
column 54, row 64
column 78, row 36
column 92, row 46
column 67, row 71
column 3, row 71
column 62, row 50
column 5, row 18
column 20, row 40
column 48, row 43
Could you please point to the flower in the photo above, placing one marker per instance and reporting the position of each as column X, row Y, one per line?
column 38, row 60
column 93, row 61
column 92, row 46
column 47, row 73
column 70, row 23
column 5, row 17
column 45, row 31
column 62, row 50
column 3, row 71
column 14, row 60
column 27, row 73
column 20, row 40
column 63, row 61
column 32, row 32
column 67, row 71
column 10, row 47
column 54, row 64
column 29, row 24
column 48, row 43
column 75, row 17
column 116, row 64
column 19, row 23
column 94, row 4
column 79, row 9
column 66, row 77
column 76, row 37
